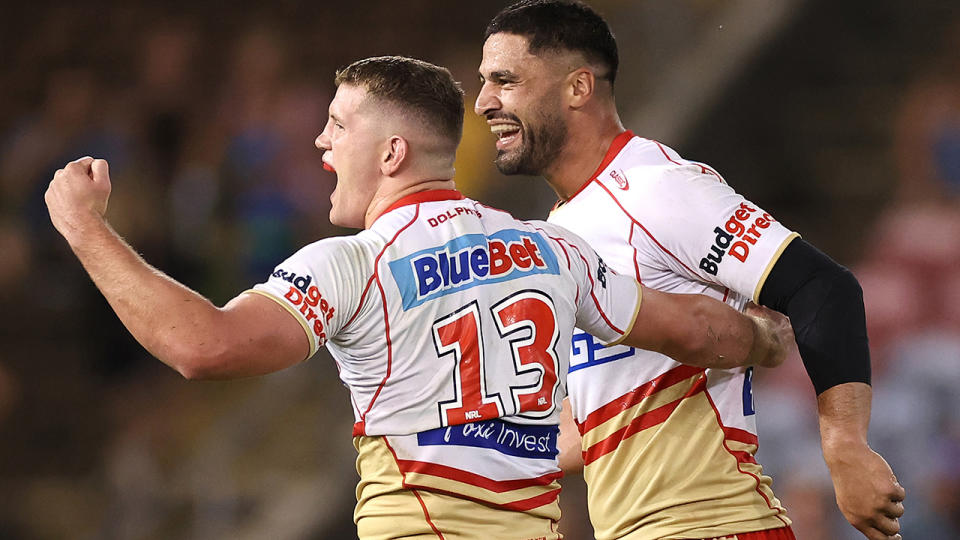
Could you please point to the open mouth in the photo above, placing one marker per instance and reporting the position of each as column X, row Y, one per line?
column 507, row 134
column 326, row 159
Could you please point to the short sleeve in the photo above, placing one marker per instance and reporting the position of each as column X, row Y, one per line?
column 608, row 302
column 707, row 231
column 319, row 285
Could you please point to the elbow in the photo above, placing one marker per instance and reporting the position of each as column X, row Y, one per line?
column 195, row 372
column 200, row 362
column 848, row 282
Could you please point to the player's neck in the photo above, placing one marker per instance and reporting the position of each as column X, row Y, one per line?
column 583, row 152
column 392, row 190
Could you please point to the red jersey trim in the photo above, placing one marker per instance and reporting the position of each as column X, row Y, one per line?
column 477, row 480
column 666, row 155
column 638, row 394
column 386, row 320
column 360, row 303
column 646, row 420
column 403, row 482
column 593, row 296
column 644, row 229
column 742, row 459
column 616, row 146
column 426, row 196
column 522, row 505
column 740, row 435
column 427, row 514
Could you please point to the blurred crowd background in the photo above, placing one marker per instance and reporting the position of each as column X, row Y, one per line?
column 840, row 118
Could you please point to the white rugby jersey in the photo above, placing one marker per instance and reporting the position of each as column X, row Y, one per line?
column 669, row 449
column 451, row 323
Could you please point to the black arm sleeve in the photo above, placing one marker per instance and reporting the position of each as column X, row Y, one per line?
column 825, row 304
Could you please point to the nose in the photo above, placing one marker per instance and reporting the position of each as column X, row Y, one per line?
column 487, row 100
column 322, row 142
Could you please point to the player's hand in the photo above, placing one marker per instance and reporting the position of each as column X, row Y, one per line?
column 776, row 332
column 78, row 195
column 867, row 491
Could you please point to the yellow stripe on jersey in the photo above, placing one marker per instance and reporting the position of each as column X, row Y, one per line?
column 704, row 486
column 773, row 261
column 297, row 316
column 389, row 507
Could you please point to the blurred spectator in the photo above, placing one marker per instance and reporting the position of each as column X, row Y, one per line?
column 928, row 134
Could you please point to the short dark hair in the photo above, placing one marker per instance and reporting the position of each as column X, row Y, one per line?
column 560, row 25
column 412, row 84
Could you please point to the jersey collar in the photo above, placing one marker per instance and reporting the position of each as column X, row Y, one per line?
column 616, row 146
column 426, row 196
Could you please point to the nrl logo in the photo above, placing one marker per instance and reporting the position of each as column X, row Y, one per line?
column 620, row 179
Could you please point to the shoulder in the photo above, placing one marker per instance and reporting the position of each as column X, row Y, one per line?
column 645, row 165
column 555, row 232
column 648, row 178
column 340, row 249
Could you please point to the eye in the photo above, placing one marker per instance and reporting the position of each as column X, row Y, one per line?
column 338, row 125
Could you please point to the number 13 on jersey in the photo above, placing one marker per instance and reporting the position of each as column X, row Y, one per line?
column 527, row 322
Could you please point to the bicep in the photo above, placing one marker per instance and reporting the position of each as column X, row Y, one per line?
column 662, row 321
column 693, row 329
column 266, row 336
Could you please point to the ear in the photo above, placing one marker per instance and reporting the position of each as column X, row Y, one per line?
column 393, row 155
column 580, row 85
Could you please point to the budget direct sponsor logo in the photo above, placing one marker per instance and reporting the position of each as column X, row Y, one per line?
column 309, row 302
column 471, row 260
column 520, row 440
column 741, row 231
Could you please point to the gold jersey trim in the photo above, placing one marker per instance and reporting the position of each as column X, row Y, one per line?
column 773, row 261
column 633, row 320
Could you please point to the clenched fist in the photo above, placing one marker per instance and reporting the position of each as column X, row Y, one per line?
column 78, row 195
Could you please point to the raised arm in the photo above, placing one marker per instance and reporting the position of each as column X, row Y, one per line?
column 825, row 303
column 700, row 331
column 250, row 335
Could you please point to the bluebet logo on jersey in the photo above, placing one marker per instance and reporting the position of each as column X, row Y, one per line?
column 471, row 260
column 528, row 441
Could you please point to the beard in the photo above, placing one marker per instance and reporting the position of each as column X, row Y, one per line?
column 540, row 146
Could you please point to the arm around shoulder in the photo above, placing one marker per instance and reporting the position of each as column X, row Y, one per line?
column 700, row 331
